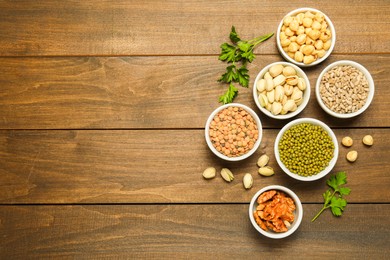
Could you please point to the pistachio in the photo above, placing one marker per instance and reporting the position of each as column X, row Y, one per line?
column 347, row 141
column 271, row 96
column 368, row 140
column 289, row 71
column 227, row 175
column 267, row 76
column 301, row 84
column 269, row 84
column 266, row 171
column 288, row 89
column 292, row 80
column 260, row 85
column 352, row 156
column 276, row 108
column 263, row 100
column 289, row 106
column 209, row 173
column 279, row 80
column 263, row 160
column 297, row 94
column 279, row 93
column 247, row 180
column 275, row 70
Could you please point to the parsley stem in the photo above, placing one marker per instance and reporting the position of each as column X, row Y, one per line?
column 319, row 213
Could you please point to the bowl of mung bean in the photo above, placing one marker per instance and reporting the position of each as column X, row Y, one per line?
column 344, row 89
column 281, row 90
column 305, row 37
column 275, row 211
column 233, row 132
column 306, row 149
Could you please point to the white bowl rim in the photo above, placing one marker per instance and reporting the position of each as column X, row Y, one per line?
column 259, row 128
column 371, row 86
column 328, row 52
column 298, row 212
column 332, row 162
column 306, row 96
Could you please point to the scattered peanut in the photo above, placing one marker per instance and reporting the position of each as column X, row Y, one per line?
column 209, row 173
column 352, row 156
column 347, row 141
column 263, row 160
column 227, row 175
column 280, row 86
column 306, row 36
column 266, row 171
column 368, row 140
column 247, row 180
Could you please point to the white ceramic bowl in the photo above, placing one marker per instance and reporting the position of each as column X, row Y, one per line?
column 328, row 52
column 250, row 152
column 332, row 162
column 298, row 213
column 370, row 93
column 306, row 93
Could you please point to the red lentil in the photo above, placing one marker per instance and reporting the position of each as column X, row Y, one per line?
column 233, row 131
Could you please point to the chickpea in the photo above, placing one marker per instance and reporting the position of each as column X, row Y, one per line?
column 319, row 44
column 298, row 56
column 307, row 22
column 327, row 45
column 316, row 25
column 308, row 59
column 293, row 47
column 301, row 39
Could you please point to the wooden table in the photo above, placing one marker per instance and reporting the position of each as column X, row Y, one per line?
column 102, row 113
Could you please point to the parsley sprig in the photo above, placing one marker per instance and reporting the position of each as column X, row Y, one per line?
column 333, row 197
column 239, row 51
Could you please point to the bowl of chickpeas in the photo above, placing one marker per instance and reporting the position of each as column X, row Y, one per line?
column 233, row 132
column 305, row 37
column 306, row 149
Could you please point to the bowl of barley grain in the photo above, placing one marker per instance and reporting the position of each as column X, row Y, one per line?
column 344, row 89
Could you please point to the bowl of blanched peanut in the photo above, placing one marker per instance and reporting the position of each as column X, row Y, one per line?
column 233, row 132
column 306, row 37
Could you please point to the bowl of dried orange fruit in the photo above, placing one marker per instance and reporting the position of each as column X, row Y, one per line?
column 275, row 211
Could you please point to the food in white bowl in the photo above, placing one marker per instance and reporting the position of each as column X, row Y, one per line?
column 275, row 211
column 281, row 90
column 233, row 132
column 306, row 37
column 345, row 89
column 306, row 149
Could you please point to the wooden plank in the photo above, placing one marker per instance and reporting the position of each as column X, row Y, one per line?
column 186, row 231
column 172, row 27
column 146, row 92
column 150, row 166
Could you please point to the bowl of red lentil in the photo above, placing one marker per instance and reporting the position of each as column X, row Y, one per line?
column 233, row 132
column 345, row 89
column 306, row 149
column 281, row 90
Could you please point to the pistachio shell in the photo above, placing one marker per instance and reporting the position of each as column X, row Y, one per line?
column 297, row 94
column 275, row 70
column 290, row 104
column 270, row 84
column 209, row 173
column 271, row 96
column 289, row 71
column 288, row 89
column 276, row 108
column 227, row 175
column 292, row 80
column 267, row 76
column 247, row 180
column 279, row 93
column 263, row 160
column 266, row 171
column 263, row 100
column 279, row 80
column 260, row 85
column 301, row 84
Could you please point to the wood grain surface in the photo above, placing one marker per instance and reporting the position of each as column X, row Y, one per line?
column 102, row 112
column 186, row 231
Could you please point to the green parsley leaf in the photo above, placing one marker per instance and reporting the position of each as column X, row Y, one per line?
column 243, row 77
column 333, row 198
column 234, row 36
column 229, row 95
column 228, row 52
column 230, row 74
